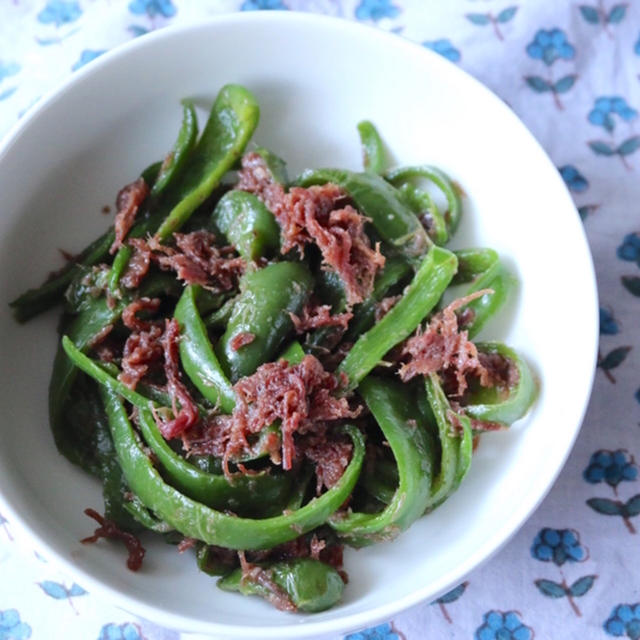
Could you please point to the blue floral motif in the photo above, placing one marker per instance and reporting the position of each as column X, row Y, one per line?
column 381, row 632
column 630, row 248
column 573, row 178
column 263, row 5
column 11, row 627
column 558, row 546
column 444, row 48
column 499, row 625
column 126, row 631
column 87, row 56
column 612, row 467
column 624, row 621
column 376, row 10
column 59, row 12
column 8, row 69
column 608, row 324
column 153, row 8
column 550, row 46
column 605, row 107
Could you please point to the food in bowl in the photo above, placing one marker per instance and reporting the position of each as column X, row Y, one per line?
column 263, row 370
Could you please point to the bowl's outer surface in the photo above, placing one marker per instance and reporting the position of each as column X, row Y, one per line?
column 315, row 79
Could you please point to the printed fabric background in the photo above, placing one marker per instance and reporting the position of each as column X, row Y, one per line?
column 572, row 73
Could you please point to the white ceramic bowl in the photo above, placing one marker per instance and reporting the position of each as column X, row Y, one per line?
column 315, row 78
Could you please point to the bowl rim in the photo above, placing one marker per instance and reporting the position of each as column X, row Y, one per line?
column 480, row 555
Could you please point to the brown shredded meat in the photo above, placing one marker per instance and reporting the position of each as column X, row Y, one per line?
column 256, row 574
column 138, row 265
column 384, row 306
column 316, row 316
column 142, row 350
column 130, row 317
column 331, row 457
column 241, row 339
column 128, row 201
column 109, row 529
column 320, row 215
column 442, row 347
column 184, row 408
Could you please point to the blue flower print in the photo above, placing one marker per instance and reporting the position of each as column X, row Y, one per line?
column 11, row 627
column 495, row 20
column 608, row 324
column 612, row 467
column 381, row 632
column 630, row 248
column 573, row 178
column 444, row 48
column 499, row 625
column 59, row 12
column 605, row 107
column 8, row 69
column 549, row 46
column 558, row 546
column 153, row 8
column 376, row 10
column 87, row 56
column 624, row 621
column 263, row 5
column 126, row 631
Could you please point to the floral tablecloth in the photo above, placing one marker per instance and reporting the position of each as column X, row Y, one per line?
column 572, row 73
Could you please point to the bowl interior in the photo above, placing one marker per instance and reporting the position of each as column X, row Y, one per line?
column 315, row 79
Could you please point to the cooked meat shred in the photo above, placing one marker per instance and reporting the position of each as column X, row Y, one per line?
column 241, row 339
column 320, row 215
column 384, row 306
column 142, row 350
column 128, row 201
column 442, row 347
column 130, row 318
column 109, row 529
column 316, row 316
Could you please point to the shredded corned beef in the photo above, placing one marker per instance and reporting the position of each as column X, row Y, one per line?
column 315, row 316
column 141, row 351
column 109, row 529
column 129, row 199
column 186, row 543
column 195, row 259
column 320, row 215
column 252, row 573
column 442, row 347
column 184, row 408
column 130, row 318
column 241, row 339
column 138, row 265
column 100, row 336
column 331, row 457
column 299, row 396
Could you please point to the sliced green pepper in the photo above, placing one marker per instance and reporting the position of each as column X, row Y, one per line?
column 197, row 356
column 267, row 297
column 372, row 148
column 195, row 520
column 233, row 119
column 399, row 422
column 378, row 200
column 420, row 297
column 311, row 585
column 248, row 225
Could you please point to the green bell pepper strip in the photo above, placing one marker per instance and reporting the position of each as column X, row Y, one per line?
column 505, row 406
column 311, row 585
column 267, row 297
column 275, row 164
column 455, row 449
column 233, row 119
column 195, row 520
column 398, row 420
column 256, row 493
column 378, row 200
column 248, row 225
column 373, row 157
column 144, row 517
column 382, row 481
column 422, row 204
column 399, row 176
column 211, row 563
column 394, row 271
column 293, row 354
column 420, row 297
column 482, row 267
column 118, row 267
column 219, row 318
column 175, row 161
column 197, row 356
column 259, row 494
